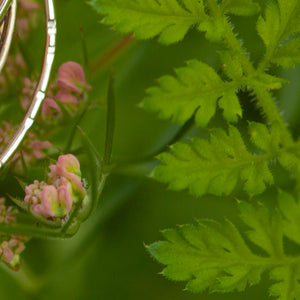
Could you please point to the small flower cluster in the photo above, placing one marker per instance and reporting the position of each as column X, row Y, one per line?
column 54, row 199
column 11, row 246
column 31, row 149
column 69, row 89
column 13, row 69
column 27, row 17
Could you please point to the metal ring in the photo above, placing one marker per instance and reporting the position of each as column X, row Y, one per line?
column 8, row 11
column 41, row 87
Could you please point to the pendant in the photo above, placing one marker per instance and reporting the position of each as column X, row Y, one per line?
column 8, row 13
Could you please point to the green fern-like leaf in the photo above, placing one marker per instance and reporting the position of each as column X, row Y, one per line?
column 147, row 19
column 216, row 166
column 288, row 55
column 281, row 19
column 215, row 256
column 241, row 8
column 197, row 86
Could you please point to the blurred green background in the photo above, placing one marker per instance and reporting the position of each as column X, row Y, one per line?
column 107, row 258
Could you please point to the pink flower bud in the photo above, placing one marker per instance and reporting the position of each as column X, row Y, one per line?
column 37, row 147
column 50, row 200
column 65, row 198
column 50, row 109
column 29, row 5
column 66, row 97
column 7, row 255
column 71, row 77
column 67, row 164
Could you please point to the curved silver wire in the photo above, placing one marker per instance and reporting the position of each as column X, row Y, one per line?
column 41, row 87
column 8, row 11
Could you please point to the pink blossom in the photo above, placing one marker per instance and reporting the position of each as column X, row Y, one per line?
column 64, row 187
column 29, row 5
column 67, row 163
column 71, row 77
column 50, row 109
column 37, row 147
column 64, row 96
column 27, row 91
column 7, row 253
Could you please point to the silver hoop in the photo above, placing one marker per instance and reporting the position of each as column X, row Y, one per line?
column 8, row 11
column 41, row 87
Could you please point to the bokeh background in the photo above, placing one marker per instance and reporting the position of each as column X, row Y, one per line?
column 107, row 258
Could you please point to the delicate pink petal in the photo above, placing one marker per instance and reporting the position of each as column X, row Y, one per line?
column 29, row 5
column 67, row 163
column 8, row 255
column 50, row 108
column 49, row 200
column 64, row 96
column 65, row 198
column 71, row 77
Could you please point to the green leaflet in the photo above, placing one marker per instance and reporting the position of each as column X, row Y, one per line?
column 214, row 166
column 269, row 26
column 147, row 19
column 214, row 256
column 281, row 19
column 240, row 8
column 196, row 86
column 288, row 55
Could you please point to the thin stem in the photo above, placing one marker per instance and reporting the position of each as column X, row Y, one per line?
column 75, row 127
column 110, row 123
column 31, row 231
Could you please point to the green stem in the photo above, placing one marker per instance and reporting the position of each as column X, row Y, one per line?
column 110, row 123
column 31, row 231
column 263, row 95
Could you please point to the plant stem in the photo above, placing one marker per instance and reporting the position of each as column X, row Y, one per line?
column 110, row 123
column 263, row 95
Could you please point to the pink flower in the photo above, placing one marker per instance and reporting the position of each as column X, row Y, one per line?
column 11, row 247
column 37, row 147
column 66, row 164
column 71, row 77
column 64, row 96
column 27, row 91
column 64, row 187
column 50, row 109
column 29, row 5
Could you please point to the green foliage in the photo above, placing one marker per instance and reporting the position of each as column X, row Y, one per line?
column 218, row 165
column 166, row 18
column 211, row 255
column 197, row 86
column 215, row 256
column 240, row 8
column 215, row 166
column 288, row 55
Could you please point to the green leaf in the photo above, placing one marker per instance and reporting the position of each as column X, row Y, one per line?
column 267, row 81
column 289, row 16
column 214, row 29
column 214, row 166
column 240, row 8
column 215, row 256
column 288, row 55
column 290, row 209
column 147, row 19
column 207, row 255
column 288, row 286
column 231, row 65
column 266, row 231
column 196, row 86
column 269, row 27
